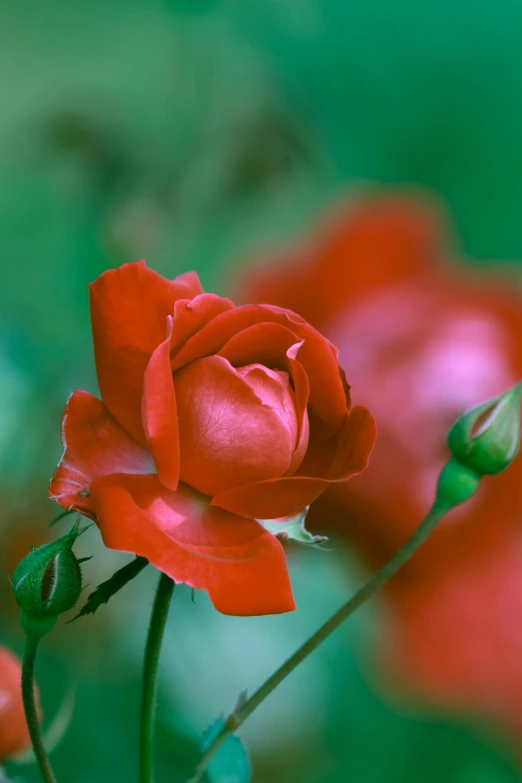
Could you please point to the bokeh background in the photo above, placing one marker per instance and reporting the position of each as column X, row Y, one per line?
column 202, row 134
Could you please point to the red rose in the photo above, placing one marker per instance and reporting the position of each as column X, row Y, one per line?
column 213, row 416
column 14, row 734
column 421, row 340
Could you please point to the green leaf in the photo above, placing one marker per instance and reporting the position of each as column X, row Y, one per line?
column 292, row 529
column 106, row 590
column 230, row 764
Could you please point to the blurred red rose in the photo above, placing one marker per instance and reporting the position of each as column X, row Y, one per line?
column 213, row 416
column 421, row 340
column 14, row 734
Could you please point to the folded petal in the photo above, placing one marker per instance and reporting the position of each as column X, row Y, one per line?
column 275, row 345
column 302, row 395
column 318, row 356
column 227, row 436
column 95, row 445
column 190, row 315
column 159, row 413
column 355, row 444
column 265, row 343
column 291, row 494
column 129, row 308
column 283, row 497
column 239, row 564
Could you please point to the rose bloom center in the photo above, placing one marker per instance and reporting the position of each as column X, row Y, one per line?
column 237, row 426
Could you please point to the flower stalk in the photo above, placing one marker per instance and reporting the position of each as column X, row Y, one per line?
column 158, row 620
column 369, row 589
column 483, row 441
column 31, row 710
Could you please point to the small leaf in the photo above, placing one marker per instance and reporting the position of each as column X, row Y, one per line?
column 230, row 764
column 292, row 529
column 241, row 700
column 59, row 517
column 106, row 590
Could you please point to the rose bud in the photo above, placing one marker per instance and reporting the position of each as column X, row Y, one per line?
column 46, row 583
column 14, row 734
column 213, row 417
column 487, row 437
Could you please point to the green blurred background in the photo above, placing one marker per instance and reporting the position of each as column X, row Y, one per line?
column 196, row 134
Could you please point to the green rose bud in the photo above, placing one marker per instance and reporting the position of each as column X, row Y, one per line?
column 47, row 582
column 486, row 438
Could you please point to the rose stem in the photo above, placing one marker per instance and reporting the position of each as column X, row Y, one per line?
column 158, row 620
column 367, row 591
column 31, row 712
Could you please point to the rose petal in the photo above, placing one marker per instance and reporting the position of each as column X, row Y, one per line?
column 272, row 499
column 129, row 307
column 275, row 346
column 239, row 564
column 318, row 356
column 94, row 446
column 274, row 390
column 159, row 412
column 190, row 315
column 264, row 343
column 291, row 494
column 355, row 444
column 302, row 395
column 227, row 436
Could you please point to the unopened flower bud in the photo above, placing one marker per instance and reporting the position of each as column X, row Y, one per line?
column 487, row 438
column 47, row 582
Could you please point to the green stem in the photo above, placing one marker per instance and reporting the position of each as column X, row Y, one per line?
column 367, row 591
column 31, row 711
column 158, row 621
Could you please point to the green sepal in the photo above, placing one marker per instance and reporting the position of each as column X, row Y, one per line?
column 231, row 763
column 48, row 581
column 456, row 484
column 37, row 626
column 111, row 586
column 292, row 529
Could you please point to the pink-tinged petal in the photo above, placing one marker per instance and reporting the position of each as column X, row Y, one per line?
column 227, row 436
column 273, row 388
column 275, row 345
column 239, row 564
column 302, row 395
column 328, row 394
column 190, row 315
column 95, row 445
column 129, row 307
column 318, row 356
column 160, row 416
column 291, row 494
column 185, row 286
column 264, row 343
